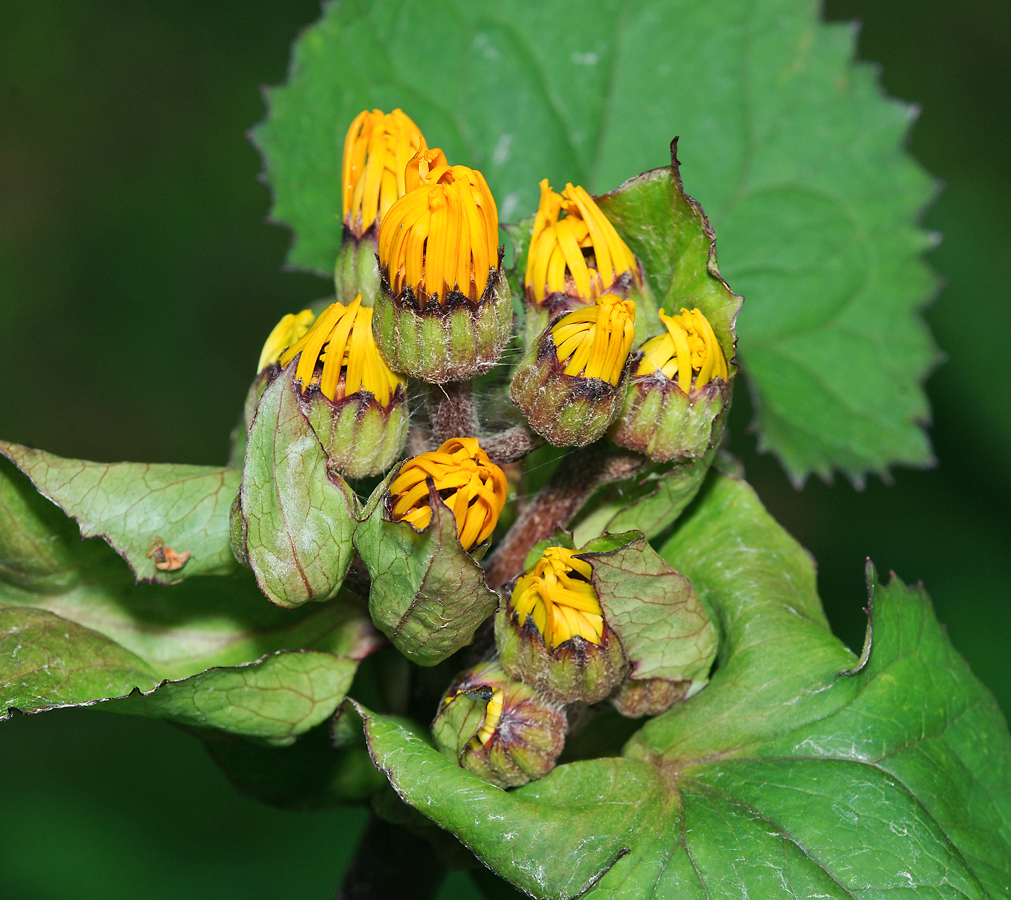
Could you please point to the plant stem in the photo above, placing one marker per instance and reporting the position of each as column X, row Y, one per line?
column 510, row 445
column 451, row 411
column 391, row 861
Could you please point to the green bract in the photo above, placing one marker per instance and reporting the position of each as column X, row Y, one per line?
column 765, row 760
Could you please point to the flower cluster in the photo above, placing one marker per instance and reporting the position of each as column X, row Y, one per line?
column 423, row 306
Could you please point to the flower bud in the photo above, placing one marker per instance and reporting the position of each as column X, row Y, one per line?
column 570, row 384
column 579, row 624
column 500, row 729
column 420, row 535
column 551, row 632
column 356, row 405
column 680, row 387
column 575, row 256
column 470, row 484
column 445, row 310
column 377, row 149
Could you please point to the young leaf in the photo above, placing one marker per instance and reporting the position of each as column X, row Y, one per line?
column 799, row 771
column 167, row 521
column 792, row 150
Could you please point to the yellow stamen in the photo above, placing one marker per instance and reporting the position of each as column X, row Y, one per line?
column 377, row 149
column 475, row 489
column 285, row 333
column 556, row 595
column 594, row 341
column 442, row 235
column 342, row 340
column 689, row 346
column 580, row 254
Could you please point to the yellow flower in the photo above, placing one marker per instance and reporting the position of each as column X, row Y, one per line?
column 475, row 489
column 580, row 254
column 557, row 595
column 285, row 333
column 688, row 346
column 341, row 338
column 376, row 151
column 593, row 342
column 442, row 235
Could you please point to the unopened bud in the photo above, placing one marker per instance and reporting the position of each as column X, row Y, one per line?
column 502, row 730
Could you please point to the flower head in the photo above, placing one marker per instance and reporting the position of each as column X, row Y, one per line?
column 688, row 348
column 579, row 254
column 594, row 342
column 471, row 485
column 442, row 235
column 558, row 596
column 341, row 339
column 285, row 333
column 376, row 151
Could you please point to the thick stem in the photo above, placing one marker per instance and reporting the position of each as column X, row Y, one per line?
column 391, row 861
column 451, row 410
column 571, row 485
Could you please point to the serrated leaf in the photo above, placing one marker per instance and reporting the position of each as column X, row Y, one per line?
column 791, row 149
column 142, row 510
column 796, row 773
column 299, row 517
column 428, row 594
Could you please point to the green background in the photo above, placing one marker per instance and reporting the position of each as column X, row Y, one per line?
column 138, row 280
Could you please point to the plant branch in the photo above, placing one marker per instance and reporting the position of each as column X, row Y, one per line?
column 578, row 475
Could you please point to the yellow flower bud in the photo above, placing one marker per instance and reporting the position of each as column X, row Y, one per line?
column 688, row 348
column 594, row 342
column 377, row 149
column 285, row 333
column 579, row 254
column 556, row 594
column 441, row 236
column 472, row 486
column 341, row 339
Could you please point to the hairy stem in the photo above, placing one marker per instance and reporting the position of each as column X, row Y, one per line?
column 451, row 411
column 511, row 445
column 578, row 475
column 391, row 861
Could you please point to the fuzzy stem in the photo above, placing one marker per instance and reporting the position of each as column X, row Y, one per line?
column 391, row 861
column 510, row 445
column 578, row 475
column 451, row 411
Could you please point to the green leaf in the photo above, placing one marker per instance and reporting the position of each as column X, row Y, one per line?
column 142, row 509
column 663, row 628
column 299, row 517
column 77, row 629
column 799, row 771
column 272, row 700
column 791, row 149
column 48, row 661
column 428, row 594
column 178, row 630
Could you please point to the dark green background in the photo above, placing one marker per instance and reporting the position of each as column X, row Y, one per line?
column 138, row 279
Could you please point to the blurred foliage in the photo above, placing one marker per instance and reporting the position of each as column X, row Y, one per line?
column 129, row 208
